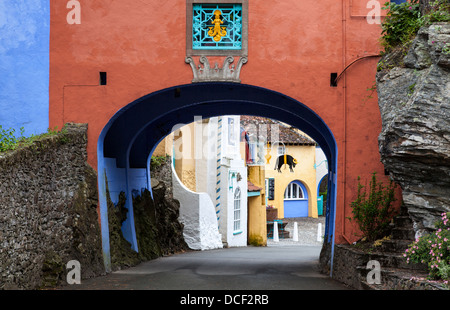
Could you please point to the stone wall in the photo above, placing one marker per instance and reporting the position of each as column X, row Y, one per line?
column 350, row 267
column 48, row 212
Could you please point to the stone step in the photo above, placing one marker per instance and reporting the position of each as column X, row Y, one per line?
column 395, row 260
column 397, row 278
column 403, row 233
column 395, row 246
column 403, row 221
column 403, row 211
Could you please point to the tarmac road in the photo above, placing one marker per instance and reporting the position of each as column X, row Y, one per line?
column 282, row 267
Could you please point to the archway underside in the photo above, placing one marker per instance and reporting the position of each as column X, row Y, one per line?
column 132, row 134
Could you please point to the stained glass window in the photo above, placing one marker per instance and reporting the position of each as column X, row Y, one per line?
column 217, row 26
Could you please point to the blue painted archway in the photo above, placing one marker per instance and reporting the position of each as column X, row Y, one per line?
column 132, row 134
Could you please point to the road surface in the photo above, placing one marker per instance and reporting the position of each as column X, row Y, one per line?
column 289, row 267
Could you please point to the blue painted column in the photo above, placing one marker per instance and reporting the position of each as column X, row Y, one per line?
column 24, row 65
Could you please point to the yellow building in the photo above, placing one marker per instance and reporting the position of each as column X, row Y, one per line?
column 290, row 188
column 257, row 227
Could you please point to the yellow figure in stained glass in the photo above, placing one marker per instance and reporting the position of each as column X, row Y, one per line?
column 218, row 31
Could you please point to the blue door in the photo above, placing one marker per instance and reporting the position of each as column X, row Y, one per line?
column 295, row 200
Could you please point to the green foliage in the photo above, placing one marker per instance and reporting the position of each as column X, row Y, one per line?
column 401, row 24
column 157, row 161
column 446, row 49
column 433, row 250
column 439, row 11
column 373, row 208
column 9, row 141
column 404, row 20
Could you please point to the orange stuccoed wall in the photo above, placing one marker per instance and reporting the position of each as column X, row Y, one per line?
column 293, row 47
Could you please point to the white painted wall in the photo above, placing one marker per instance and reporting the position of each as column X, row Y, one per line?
column 198, row 209
column 321, row 165
column 232, row 162
column 234, row 238
column 198, row 217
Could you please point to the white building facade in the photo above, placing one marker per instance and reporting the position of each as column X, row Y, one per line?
column 217, row 209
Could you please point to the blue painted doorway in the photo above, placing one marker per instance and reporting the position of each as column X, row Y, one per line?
column 296, row 200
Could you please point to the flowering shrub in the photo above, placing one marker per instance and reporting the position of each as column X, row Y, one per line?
column 434, row 250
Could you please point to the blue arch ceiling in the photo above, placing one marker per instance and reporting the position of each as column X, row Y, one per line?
column 133, row 132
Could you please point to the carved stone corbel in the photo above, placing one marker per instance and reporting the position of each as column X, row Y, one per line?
column 205, row 73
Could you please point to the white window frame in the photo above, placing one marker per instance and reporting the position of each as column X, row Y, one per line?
column 290, row 189
column 237, row 211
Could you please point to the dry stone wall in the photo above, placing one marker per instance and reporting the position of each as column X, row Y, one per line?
column 48, row 212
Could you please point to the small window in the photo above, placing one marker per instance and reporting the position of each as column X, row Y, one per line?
column 294, row 191
column 270, row 191
column 333, row 77
column 237, row 210
column 103, row 78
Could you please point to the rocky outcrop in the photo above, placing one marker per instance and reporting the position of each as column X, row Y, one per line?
column 414, row 101
column 158, row 229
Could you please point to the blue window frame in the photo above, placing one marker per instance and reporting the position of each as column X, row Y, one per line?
column 398, row 1
column 208, row 35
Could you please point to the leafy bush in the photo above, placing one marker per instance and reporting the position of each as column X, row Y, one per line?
column 434, row 250
column 373, row 208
